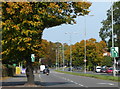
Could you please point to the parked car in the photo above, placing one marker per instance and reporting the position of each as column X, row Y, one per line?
column 98, row 69
column 70, row 69
column 103, row 70
column 110, row 70
column 117, row 71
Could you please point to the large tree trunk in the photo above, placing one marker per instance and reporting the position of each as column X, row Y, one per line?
column 29, row 73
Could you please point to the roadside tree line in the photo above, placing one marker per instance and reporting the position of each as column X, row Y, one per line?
column 94, row 54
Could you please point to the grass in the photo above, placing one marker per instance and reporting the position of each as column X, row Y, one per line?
column 112, row 78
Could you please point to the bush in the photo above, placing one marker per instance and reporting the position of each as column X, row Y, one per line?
column 8, row 70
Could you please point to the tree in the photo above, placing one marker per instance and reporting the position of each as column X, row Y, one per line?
column 47, row 52
column 24, row 22
column 106, row 32
column 94, row 53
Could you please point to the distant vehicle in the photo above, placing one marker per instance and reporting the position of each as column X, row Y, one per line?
column 42, row 67
column 98, row 69
column 70, row 69
column 110, row 70
column 103, row 70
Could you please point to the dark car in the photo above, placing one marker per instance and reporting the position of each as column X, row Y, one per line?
column 70, row 69
column 103, row 70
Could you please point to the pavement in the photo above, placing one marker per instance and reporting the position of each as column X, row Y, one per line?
column 20, row 81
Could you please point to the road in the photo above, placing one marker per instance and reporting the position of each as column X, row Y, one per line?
column 55, row 79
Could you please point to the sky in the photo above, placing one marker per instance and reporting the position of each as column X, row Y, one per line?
column 93, row 24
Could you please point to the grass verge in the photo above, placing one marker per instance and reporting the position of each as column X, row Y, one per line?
column 112, row 78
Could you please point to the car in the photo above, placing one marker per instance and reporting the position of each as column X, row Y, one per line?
column 98, row 69
column 70, row 69
column 117, row 71
column 110, row 70
column 103, row 70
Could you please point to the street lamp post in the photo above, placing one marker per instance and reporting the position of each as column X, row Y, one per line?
column 70, row 50
column 85, row 44
column 63, row 56
column 114, row 65
column 56, row 59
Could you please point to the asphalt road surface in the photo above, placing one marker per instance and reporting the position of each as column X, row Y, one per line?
column 55, row 79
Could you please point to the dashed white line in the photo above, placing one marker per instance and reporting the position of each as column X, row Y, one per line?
column 71, row 81
column 106, row 83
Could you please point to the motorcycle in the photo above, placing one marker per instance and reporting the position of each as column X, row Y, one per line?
column 46, row 71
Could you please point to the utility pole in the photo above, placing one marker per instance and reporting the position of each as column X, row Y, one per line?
column 114, row 65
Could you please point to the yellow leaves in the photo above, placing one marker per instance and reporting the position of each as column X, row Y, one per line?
column 10, row 11
column 16, row 27
column 3, row 23
column 51, row 16
column 28, row 39
column 35, row 24
column 59, row 11
column 42, row 11
column 21, row 48
column 28, row 44
column 53, row 5
column 28, row 32
column 6, row 51
column 26, row 8
column 83, row 5
column 103, row 43
column 36, row 17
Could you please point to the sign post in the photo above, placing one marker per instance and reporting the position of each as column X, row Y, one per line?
column 114, row 53
column 33, row 57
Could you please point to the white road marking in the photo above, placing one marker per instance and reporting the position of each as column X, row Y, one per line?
column 70, row 81
column 106, row 83
column 80, row 84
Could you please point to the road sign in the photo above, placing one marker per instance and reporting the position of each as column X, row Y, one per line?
column 33, row 57
column 114, row 52
column 14, row 65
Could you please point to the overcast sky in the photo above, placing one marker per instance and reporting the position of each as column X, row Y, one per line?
column 93, row 25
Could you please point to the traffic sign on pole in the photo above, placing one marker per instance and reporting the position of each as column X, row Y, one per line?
column 33, row 57
column 114, row 52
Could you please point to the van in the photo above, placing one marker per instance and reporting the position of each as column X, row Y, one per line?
column 98, row 69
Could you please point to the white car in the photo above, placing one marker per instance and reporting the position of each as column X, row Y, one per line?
column 98, row 69
column 117, row 71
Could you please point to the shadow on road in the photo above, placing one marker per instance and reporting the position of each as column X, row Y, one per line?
column 54, row 83
column 20, row 83
column 13, row 83
column 17, row 76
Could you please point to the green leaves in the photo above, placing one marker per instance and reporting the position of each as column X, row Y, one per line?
column 106, row 32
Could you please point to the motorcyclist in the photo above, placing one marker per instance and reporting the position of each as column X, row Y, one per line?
column 46, row 70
